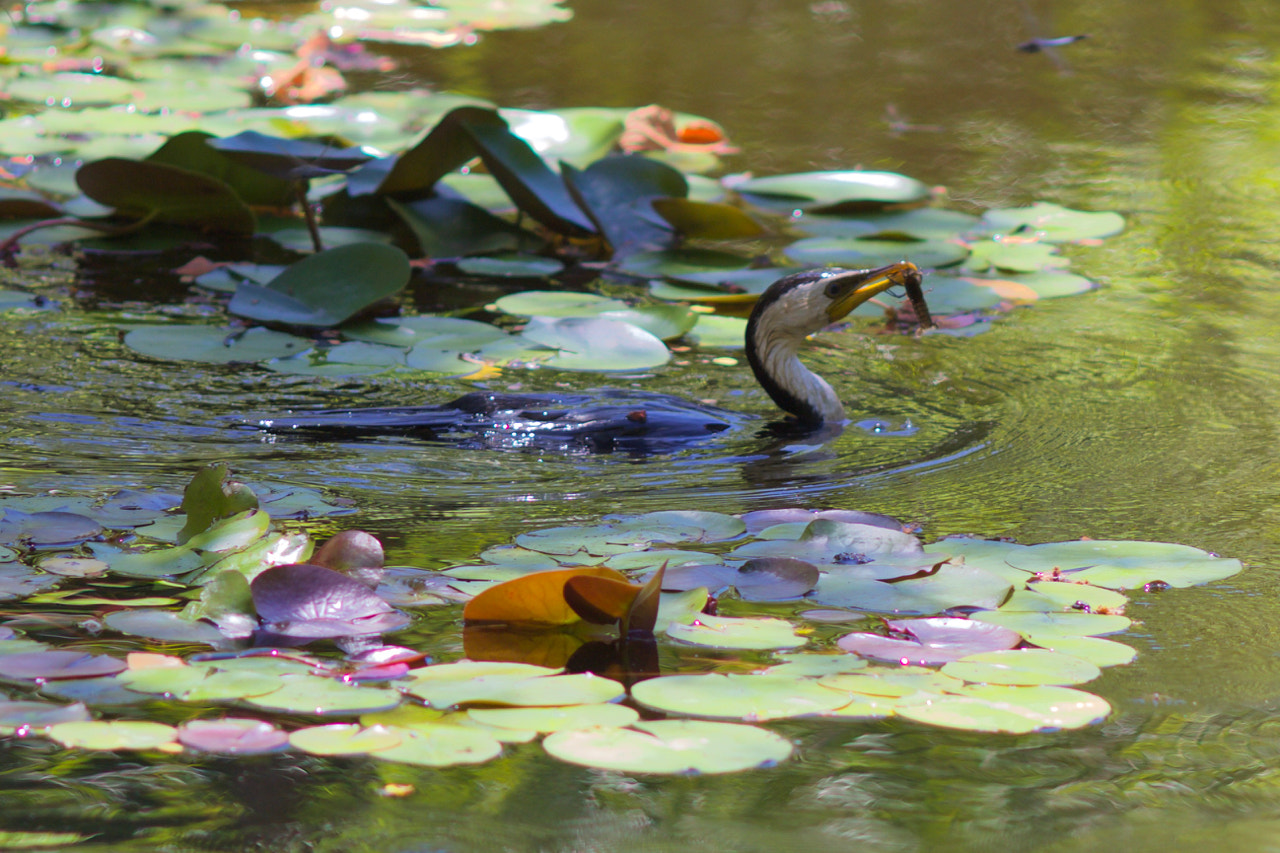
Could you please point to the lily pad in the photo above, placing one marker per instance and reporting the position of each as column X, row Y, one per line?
column 1053, row 223
column 550, row 690
column 163, row 625
column 556, row 719
column 200, row 683
column 232, row 736
column 931, row 642
column 441, row 746
column 558, row 303
column 858, row 252
column 306, row 694
column 1022, row 667
column 56, row 665
column 39, row 716
column 213, row 345
column 326, row 288
column 594, row 343
column 344, row 739
column 1013, row 710
column 737, row 697
column 113, row 734
column 727, row 632
column 671, row 746
column 837, row 190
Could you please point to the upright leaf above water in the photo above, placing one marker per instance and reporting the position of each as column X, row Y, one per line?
column 325, row 289
column 155, row 192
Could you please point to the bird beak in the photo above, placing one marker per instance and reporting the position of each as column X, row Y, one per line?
column 849, row 289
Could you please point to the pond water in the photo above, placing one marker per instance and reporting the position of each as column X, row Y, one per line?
column 1143, row 410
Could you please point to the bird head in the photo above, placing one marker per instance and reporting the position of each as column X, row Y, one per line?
column 795, row 307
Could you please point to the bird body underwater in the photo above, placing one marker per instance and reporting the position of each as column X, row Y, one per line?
column 791, row 309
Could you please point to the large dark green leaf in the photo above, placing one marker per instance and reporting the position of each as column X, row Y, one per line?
column 448, row 146
column 290, row 159
column 617, row 193
column 165, row 194
column 189, row 151
column 326, row 288
column 452, row 228
column 529, row 181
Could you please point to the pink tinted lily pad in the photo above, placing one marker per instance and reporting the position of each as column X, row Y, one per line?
column 232, row 736
column 930, row 642
column 54, row 665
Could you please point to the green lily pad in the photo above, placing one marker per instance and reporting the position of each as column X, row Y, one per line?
column 737, row 697
column 1014, row 256
column 674, row 526
column 1022, row 667
column 213, row 345
column 727, row 632
column 858, row 252
column 924, row 223
column 1060, row 596
column 593, row 343
column 159, row 563
column 671, row 746
column 1126, row 564
column 113, row 734
column 163, row 625
column 444, row 332
column 516, row 689
column 200, row 683
column 344, row 739
column 1074, row 624
column 1053, row 223
column 836, row 190
column 326, row 288
column 716, row 332
column 556, row 719
column 815, row 664
column 558, row 303
column 305, row 694
column 1012, row 710
column 441, row 746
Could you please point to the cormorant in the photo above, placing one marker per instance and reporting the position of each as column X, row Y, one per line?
column 790, row 310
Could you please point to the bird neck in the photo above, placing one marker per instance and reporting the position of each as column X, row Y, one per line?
column 794, row 387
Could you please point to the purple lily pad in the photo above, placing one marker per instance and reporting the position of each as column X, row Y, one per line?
column 232, row 736
column 304, row 593
column 319, row 629
column 55, row 665
column 775, row 579
column 47, row 529
column 933, row 641
column 34, row 715
column 714, row 576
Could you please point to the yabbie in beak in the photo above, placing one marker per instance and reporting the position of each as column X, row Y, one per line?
column 847, row 289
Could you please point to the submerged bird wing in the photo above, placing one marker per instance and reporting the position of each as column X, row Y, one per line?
column 599, row 422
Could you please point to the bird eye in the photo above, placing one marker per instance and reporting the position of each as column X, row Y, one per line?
column 833, row 289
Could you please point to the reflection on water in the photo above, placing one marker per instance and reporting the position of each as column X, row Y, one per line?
column 1147, row 409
